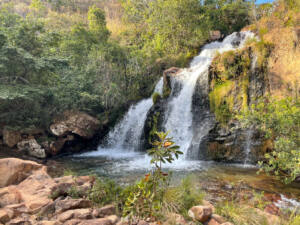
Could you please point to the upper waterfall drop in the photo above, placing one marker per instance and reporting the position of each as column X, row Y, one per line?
column 179, row 120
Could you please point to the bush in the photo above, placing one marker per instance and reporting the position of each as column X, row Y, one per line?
column 280, row 121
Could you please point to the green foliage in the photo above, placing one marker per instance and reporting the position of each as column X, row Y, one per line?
column 181, row 198
column 105, row 192
column 76, row 192
column 146, row 199
column 280, row 120
column 97, row 23
column 240, row 214
column 221, row 101
column 156, row 97
column 160, row 27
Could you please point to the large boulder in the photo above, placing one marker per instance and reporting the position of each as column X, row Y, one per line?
column 167, row 76
column 11, row 137
column 27, row 191
column 78, row 123
column 200, row 213
column 14, row 171
column 32, row 148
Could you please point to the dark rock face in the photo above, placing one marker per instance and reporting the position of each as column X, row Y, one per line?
column 72, row 132
column 229, row 142
column 154, row 122
column 232, row 145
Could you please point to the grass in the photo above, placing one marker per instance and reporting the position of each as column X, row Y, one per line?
column 241, row 214
column 180, row 199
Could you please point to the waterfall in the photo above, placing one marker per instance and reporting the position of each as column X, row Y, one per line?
column 127, row 133
column 186, row 125
column 179, row 120
column 248, row 145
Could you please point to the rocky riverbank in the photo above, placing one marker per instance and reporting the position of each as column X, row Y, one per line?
column 71, row 132
column 29, row 195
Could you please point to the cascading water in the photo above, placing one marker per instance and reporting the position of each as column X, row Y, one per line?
column 248, row 145
column 126, row 135
column 180, row 120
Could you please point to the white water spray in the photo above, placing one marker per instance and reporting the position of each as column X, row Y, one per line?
column 180, row 117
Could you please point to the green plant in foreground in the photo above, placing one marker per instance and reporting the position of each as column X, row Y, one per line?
column 146, row 199
column 181, row 198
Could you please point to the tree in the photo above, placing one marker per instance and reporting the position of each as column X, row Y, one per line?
column 97, row 23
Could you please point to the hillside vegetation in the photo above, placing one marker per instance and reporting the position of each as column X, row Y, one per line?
column 97, row 56
column 259, row 85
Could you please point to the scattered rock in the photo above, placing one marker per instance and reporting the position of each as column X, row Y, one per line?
column 212, row 221
column 107, row 211
column 4, row 217
column 31, row 147
column 13, row 171
column 175, row 219
column 208, row 204
column 113, row 219
column 69, row 203
column 75, row 214
column 215, row 35
column 11, row 137
column 102, row 221
column 142, row 222
column 200, row 213
column 218, row 218
column 78, row 123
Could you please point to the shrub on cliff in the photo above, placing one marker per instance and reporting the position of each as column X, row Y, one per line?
column 280, row 120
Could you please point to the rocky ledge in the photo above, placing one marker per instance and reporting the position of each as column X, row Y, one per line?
column 71, row 132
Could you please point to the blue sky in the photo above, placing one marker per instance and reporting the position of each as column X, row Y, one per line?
column 263, row 1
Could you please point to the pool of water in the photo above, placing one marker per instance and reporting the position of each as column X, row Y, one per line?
column 215, row 178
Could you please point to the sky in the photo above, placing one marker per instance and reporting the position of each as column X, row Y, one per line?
column 263, row 1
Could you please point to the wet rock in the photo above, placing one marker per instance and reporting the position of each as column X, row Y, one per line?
column 215, row 35
column 31, row 147
column 167, row 76
column 272, row 209
column 200, row 213
column 13, row 171
column 78, row 123
column 11, row 137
